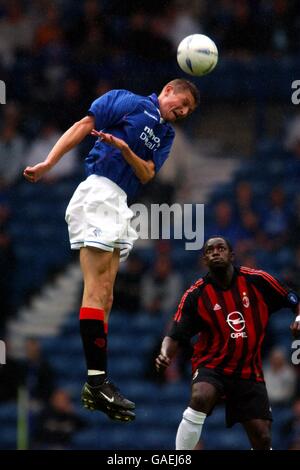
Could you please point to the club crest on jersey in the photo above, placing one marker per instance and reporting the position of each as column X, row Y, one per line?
column 237, row 323
column 245, row 300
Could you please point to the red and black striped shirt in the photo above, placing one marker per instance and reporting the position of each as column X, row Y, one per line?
column 230, row 323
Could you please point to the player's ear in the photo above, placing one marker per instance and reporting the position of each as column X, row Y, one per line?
column 168, row 89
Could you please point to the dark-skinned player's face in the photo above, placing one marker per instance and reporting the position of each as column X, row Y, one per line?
column 217, row 254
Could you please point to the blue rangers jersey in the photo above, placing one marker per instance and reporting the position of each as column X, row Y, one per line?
column 137, row 120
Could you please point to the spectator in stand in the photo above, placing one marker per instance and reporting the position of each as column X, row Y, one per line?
column 224, row 223
column 50, row 30
column 90, row 17
column 12, row 150
column 244, row 198
column 292, row 145
column 70, row 102
column 161, row 287
column 128, row 285
column 16, row 31
column 57, row 424
column 292, row 427
column 280, row 378
column 7, row 265
column 252, row 238
column 292, row 270
column 39, row 375
column 146, row 38
column 12, row 376
column 181, row 23
column 42, row 146
column 275, row 217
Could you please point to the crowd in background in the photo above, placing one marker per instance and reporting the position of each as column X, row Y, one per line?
column 62, row 54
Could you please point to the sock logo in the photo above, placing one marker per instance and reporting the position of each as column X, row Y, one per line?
column 100, row 342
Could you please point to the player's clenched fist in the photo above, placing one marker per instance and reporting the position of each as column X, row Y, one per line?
column 34, row 173
column 162, row 362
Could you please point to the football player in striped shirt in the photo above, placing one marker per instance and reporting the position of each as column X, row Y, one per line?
column 229, row 309
column 134, row 138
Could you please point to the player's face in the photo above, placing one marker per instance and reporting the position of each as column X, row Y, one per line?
column 217, row 254
column 176, row 105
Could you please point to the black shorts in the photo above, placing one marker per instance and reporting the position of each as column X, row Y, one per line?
column 244, row 399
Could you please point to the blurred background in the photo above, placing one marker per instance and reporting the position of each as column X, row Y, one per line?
column 239, row 154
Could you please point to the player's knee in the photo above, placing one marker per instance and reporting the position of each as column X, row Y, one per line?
column 198, row 401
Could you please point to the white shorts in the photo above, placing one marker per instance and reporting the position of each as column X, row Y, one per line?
column 98, row 216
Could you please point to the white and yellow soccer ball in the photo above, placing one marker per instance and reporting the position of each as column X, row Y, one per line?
column 197, row 54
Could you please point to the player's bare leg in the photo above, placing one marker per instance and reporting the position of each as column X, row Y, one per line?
column 114, row 267
column 204, row 397
column 259, row 433
column 96, row 269
column 99, row 270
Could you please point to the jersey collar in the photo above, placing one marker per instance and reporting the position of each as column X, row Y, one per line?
column 154, row 98
column 217, row 285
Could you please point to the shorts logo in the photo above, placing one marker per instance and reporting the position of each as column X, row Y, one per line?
column 195, row 374
column 236, row 322
column 97, row 232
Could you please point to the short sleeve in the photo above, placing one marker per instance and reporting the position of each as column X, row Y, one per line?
column 111, row 107
column 186, row 322
column 275, row 293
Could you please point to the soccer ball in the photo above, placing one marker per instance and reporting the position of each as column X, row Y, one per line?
column 197, row 54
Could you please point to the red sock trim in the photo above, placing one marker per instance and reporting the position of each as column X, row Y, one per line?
column 105, row 327
column 89, row 313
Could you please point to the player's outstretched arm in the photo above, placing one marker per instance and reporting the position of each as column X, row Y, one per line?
column 72, row 137
column 168, row 350
column 145, row 171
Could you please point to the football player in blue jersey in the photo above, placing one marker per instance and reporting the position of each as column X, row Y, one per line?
column 134, row 138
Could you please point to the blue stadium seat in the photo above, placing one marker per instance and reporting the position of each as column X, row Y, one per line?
column 226, row 439
column 89, row 439
column 125, row 367
column 8, row 413
column 8, row 438
column 216, row 420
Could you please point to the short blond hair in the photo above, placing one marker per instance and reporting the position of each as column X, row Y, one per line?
column 181, row 84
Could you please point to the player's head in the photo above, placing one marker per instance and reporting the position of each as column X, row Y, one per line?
column 178, row 99
column 217, row 253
